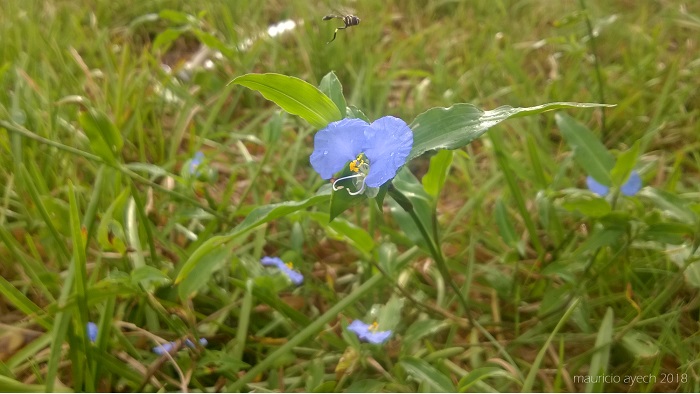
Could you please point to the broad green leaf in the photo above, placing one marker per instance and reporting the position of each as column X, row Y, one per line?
column 476, row 376
column 331, row 87
column 255, row 218
column 425, row 373
column 670, row 204
column 668, row 233
column 105, row 139
column 388, row 254
column 390, row 314
column 624, row 165
column 341, row 200
column 214, row 42
column 356, row 113
column 198, row 278
column 150, row 278
column 460, row 124
column 589, row 152
column 588, row 204
column 420, row 329
column 294, row 96
column 434, row 179
column 359, row 237
column 110, row 233
column 640, row 345
column 177, row 17
column 597, row 240
column 600, row 359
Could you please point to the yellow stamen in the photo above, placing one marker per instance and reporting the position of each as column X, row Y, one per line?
column 374, row 326
column 290, row 265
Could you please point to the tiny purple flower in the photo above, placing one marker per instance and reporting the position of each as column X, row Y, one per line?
column 368, row 332
column 195, row 163
column 287, row 268
column 375, row 151
column 92, row 331
column 168, row 347
column 629, row 188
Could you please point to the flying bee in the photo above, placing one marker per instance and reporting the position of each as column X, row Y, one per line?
column 349, row 20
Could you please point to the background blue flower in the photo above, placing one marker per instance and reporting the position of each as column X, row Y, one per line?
column 368, row 332
column 629, row 188
column 91, row 331
column 295, row 276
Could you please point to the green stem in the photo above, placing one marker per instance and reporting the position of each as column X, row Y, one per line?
column 594, row 50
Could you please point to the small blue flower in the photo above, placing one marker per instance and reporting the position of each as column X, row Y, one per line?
column 287, row 268
column 629, row 188
column 92, row 331
column 368, row 332
column 168, row 347
column 195, row 163
column 375, row 151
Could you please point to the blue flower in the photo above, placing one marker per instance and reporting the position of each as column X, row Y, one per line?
column 168, row 347
column 629, row 188
column 196, row 162
column 287, row 268
column 368, row 332
column 375, row 151
column 92, row 331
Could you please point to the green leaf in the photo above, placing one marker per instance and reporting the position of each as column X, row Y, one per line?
column 640, row 345
column 294, row 96
column 600, row 359
column 435, row 178
column 670, row 204
column 150, row 278
column 355, row 113
column 420, row 329
column 390, row 314
column 359, row 237
column 341, row 200
column 331, row 87
column 387, row 256
column 105, row 139
column 205, row 269
column 425, row 373
column 476, row 376
column 588, row 204
column 692, row 275
column 505, row 225
column 460, row 124
column 624, row 165
column 166, row 38
column 589, row 152
column 110, row 233
column 255, row 218
column 668, row 233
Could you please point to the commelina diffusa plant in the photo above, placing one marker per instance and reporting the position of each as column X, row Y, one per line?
column 367, row 160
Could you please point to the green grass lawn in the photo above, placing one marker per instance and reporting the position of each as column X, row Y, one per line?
column 106, row 217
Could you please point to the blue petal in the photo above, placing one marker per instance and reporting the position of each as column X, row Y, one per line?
column 359, row 328
column 389, row 141
column 164, row 348
column 336, row 145
column 196, row 161
column 378, row 337
column 296, row 277
column 633, row 184
column 273, row 261
column 596, row 187
column 92, row 331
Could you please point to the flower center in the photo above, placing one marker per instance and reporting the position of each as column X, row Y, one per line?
column 373, row 327
column 290, row 265
column 360, row 166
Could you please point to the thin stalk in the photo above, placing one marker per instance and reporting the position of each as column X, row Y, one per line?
column 594, row 50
